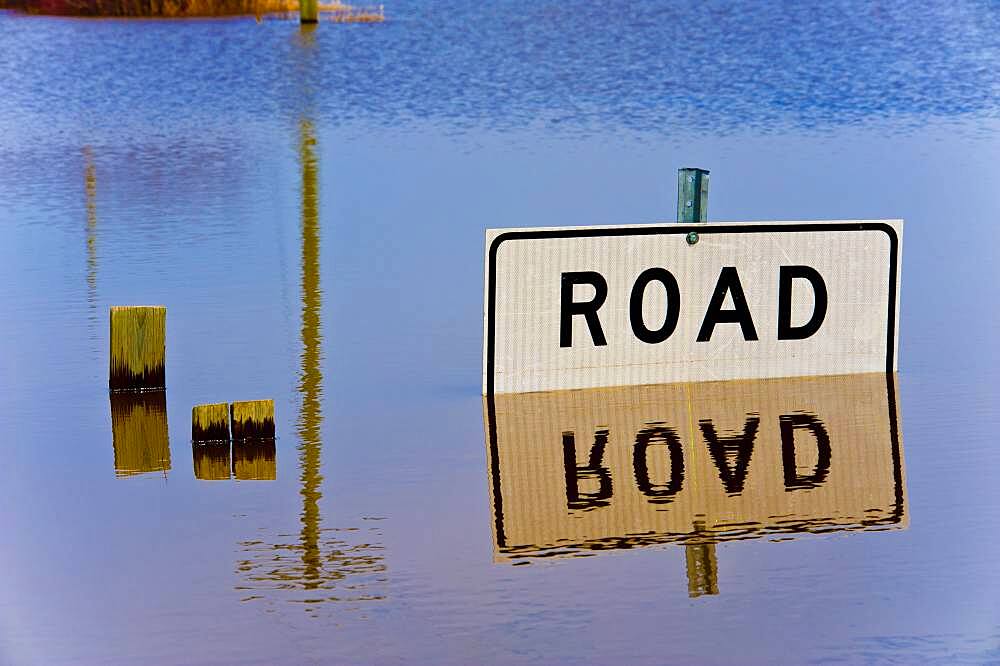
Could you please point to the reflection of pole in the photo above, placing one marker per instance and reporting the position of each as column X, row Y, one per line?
column 311, row 376
column 702, row 567
column 90, row 187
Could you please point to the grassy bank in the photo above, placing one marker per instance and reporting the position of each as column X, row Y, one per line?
column 189, row 8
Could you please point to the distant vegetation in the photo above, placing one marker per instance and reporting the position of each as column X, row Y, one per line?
column 337, row 11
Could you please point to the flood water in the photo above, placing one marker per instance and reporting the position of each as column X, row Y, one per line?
column 310, row 206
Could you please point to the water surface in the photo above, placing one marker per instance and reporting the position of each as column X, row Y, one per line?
column 310, row 207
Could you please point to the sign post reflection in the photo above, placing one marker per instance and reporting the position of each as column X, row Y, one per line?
column 702, row 565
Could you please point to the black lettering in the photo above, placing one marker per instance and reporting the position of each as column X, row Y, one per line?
column 785, row 329
column 788, row 424
column 739, row 447
column 593, row 470
column 666, row 278
column 568, row 308
column 658, row 493
column 729, row 282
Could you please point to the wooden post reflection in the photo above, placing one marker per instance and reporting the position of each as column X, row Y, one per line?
column 311, row 375
column 254, row 461
column 90, row 189
column 139, row 433
column 211, row 461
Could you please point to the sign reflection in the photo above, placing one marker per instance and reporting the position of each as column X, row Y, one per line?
column 598, row 469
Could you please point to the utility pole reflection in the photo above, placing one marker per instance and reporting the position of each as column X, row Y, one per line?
column 314, row 563
column 311, row 375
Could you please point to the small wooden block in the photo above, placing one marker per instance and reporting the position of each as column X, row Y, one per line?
column 211, row 460
column 252, row 419
column 210, row 423
column 139, row 432
column 138, row 347
column 255, row 461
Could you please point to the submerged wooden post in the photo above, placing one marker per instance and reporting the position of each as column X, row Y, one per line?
column 308, row 11
column 210, row 423
column 692, row 195
column 252, row 419
column 138, row 347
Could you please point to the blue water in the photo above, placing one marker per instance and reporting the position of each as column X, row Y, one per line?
column 165, row 162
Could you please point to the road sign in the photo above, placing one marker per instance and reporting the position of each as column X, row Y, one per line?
column 585, row 307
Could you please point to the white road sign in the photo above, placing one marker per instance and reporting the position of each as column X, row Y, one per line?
column 580, row 307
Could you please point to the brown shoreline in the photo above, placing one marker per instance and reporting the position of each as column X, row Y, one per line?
column 186, row 9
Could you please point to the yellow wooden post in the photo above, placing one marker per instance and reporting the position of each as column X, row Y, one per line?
column 138, row 347
column 252, row 419
column 210, row 423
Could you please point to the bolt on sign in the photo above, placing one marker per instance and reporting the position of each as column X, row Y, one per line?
column 622, row 467
column 584, row 307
